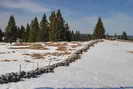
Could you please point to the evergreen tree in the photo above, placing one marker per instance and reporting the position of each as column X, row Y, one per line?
column 34, row 31
column 60, row 27
column 124, row 36
column 67, row 33
column 22, row 33
column 1, row 35
column 56, row 30
column 89, row 36
column 52, row 27
column 72, row 36
column 11, row 30
column 77, row 35
column 99, row 31
column 18, row 32
column 57, row 27
column 44, row 30
column 27, row 33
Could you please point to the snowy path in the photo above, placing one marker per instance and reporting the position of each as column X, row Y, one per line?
column 108, row 64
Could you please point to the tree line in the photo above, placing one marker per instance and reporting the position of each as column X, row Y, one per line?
column 56, row 29
column 52, row 29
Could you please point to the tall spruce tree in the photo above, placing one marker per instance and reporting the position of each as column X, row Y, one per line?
column 52, row 27
column 22, row 33
column 124, row 36
column 1, row 35
column 34, row 31
column 11, row 30
column 57, row 27
column 77, row 35
column 72, row 36
column 44, row 30
column 60, row 27
column 67, row 33
column 27, row 33
column 99, row 31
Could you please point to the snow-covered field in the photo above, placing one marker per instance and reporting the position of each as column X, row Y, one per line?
column 33, row 55
column 108, row 64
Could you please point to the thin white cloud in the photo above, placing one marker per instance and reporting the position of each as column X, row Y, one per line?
column 27, row 5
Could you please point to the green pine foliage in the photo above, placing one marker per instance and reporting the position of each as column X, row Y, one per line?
column 52, row 27
column 60, row 27
column 77, row 35
column 67, row 33
column 11, row 30
column 34, row 32
column 44, row 30
column 27, row 33
column 72, row 36
column 1, row 35
column 56, row 29
column 22, row 33
column 99, row 31
column 124, row 36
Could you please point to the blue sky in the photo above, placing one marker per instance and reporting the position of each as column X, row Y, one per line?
column 81, row 15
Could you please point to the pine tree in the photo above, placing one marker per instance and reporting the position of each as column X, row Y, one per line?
column 22, row 33
column 89, row 36
column 124, row 36
column 67, row 33
column 57, row 27
column 27, row 33
column 60, row 27
column 44, row 30
column 72, row 36
column 52, row 27
column 1, row 35
column 77, row 35
column 99, row 31
column 11, row 30
column 34, row 31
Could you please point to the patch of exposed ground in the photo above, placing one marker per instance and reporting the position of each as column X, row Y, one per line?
column 56, row 44
column 33, row 46
column 130, row 52
column 7, row 60
column 42, row 56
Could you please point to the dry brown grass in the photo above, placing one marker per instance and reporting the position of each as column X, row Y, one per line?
column 42, row 56
column 33, row 46
column 130, row 41
column 59, row 54
column 7, row 60
column 61, row 48
column 75, row 45
column 130, row 51
column 37, row 56
column 22, row 44
column 56, row 44
column 52, row 54
column 19, row 48
column 38, row 47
